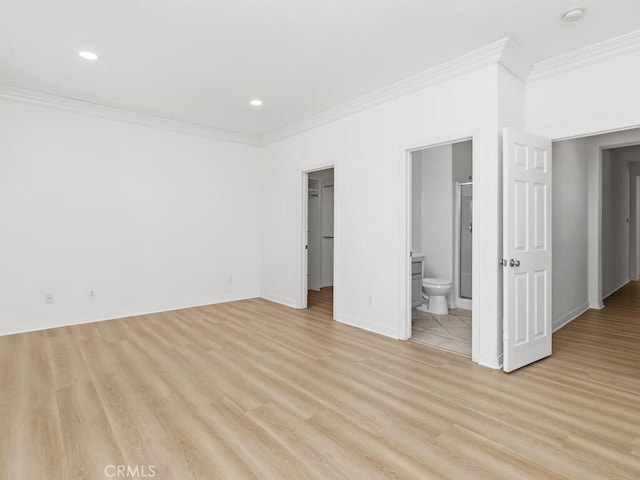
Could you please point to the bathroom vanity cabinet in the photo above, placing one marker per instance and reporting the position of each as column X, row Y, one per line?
column 416, row 281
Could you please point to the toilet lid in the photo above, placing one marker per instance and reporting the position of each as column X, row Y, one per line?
column 436, row 281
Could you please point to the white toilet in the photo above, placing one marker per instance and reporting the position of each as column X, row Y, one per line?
column 437, row 290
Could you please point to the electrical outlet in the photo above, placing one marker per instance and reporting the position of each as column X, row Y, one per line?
column 230, row 279
column 92, row 294
column 370, row 301
column 48, row 298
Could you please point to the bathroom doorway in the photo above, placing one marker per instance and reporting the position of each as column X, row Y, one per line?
column 318, row 261
column 441, row 246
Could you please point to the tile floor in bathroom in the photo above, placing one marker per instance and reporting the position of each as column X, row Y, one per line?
column 450, row 332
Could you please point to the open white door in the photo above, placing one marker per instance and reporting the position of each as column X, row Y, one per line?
column 527, row 249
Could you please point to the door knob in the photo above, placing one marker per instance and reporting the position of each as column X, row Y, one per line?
column 514, row 263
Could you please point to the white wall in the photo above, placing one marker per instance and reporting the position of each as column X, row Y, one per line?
column 598, row 97
column 148, row 219
column 510, row 113
column 368, row 149
column 437, row 212
column 570, row 232
column 615, row 222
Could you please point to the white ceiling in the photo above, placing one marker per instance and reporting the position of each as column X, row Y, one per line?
column 201, row 61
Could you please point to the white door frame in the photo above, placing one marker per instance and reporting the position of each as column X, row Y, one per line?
column 407, row 205
column 302, row 295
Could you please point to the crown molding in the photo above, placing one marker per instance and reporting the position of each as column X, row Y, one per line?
column 77, row 106
column 605, row 50
column 501, row 51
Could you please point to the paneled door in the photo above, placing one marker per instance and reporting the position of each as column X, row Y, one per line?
column 527, row 249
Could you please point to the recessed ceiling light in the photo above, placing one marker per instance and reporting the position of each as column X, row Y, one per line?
column 573, row 14
column 256, row 102
column 88, row 55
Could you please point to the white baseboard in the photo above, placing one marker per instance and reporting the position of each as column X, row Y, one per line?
column 463, row 303
column 287, row 302
column 47, row 323
column 568, row 317
column 369, row 326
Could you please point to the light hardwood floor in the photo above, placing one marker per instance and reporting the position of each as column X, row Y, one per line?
column 252, row 389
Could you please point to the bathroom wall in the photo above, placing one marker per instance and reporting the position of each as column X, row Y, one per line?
column 416, row 201
column 462, row 161
column 437, row 211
